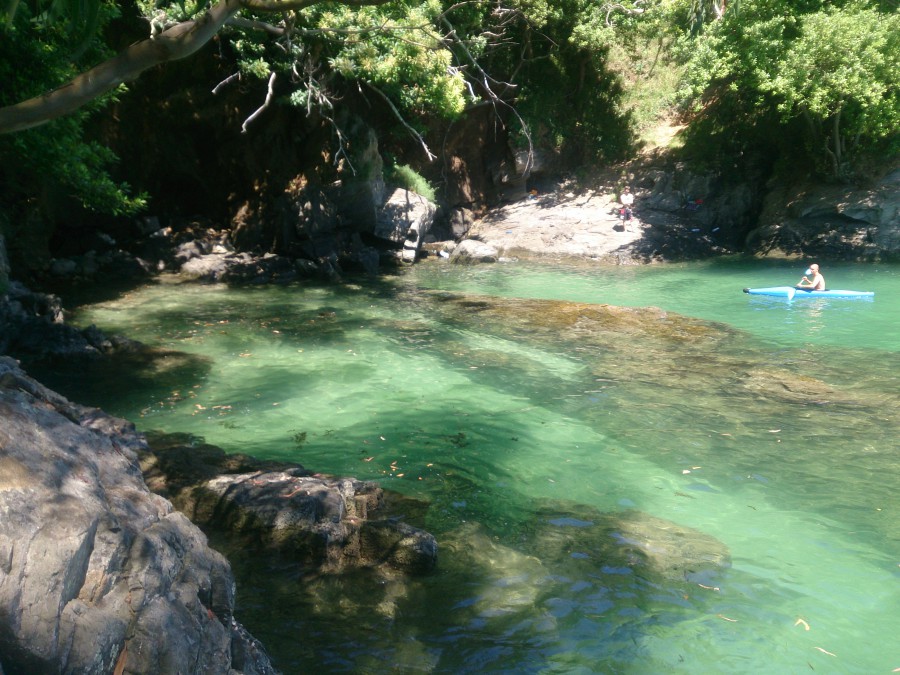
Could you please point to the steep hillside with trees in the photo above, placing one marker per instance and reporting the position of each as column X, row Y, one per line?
column 275, row 97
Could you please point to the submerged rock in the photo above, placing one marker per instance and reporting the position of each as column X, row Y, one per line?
column 98, row 574
column 653, row 548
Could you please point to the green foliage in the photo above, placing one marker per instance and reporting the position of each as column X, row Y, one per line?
column 834, row 65
column 395, row 48
column 845, row 59
column 406, row 177
column 75, row 20
column 430, row 59
column 567, row 95
column 36, row 56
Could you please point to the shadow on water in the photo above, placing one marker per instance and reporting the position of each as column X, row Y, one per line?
column 117, row 380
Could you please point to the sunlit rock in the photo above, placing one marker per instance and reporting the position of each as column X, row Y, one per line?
column 97, row 574
column 473, row 251
column 405, row 218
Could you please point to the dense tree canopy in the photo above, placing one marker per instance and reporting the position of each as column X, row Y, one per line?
column 836, row 65
column 580, row 78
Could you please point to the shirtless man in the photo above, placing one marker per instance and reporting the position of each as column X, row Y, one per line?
column 817, row 283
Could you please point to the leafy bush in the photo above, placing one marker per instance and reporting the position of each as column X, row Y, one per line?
column 35, row 57
column 407, row 177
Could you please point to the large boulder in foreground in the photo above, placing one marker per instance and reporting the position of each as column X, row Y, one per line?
column 98, row 574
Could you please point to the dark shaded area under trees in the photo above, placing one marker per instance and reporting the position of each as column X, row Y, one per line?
column 549, row 83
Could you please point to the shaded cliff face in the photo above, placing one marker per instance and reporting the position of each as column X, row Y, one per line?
column 833, row 221
column 96, row 573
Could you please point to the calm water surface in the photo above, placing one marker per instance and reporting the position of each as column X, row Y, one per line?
column 771, row 429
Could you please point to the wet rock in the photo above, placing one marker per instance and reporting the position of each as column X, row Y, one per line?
column 331, row 524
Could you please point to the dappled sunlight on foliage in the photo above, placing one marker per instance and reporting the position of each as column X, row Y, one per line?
column 835, row 68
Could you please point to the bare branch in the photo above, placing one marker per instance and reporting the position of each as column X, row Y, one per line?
column 224, row 83
column 240, row 22
column 495, row 99
column 341, row 151
column 614, row 6
column 487, row 78
column 256, row 113
column 412, row 131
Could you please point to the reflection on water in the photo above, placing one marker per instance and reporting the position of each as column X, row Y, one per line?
column 612, row 490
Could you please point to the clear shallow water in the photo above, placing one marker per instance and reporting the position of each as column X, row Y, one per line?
column 771, row 429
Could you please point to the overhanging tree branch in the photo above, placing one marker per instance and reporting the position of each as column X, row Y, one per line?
column 256, row 113
column 431, row 156
column 175, row 43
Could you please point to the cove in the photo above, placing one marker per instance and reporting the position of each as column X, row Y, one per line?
column 533, row 415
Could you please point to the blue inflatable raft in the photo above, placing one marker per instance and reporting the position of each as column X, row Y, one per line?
column 792, row 292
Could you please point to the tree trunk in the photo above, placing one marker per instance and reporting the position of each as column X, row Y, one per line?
column 836, row 142
column 175, row 43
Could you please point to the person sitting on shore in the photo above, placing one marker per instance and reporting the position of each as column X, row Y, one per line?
column 817, row 283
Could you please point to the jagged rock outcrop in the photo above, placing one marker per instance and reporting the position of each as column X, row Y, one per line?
column 97, row 574
column 330, row 524
column 856, row 222
column 33, row 324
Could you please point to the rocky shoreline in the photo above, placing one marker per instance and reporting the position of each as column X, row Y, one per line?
column 96, row 567
column 100, row 574
column 683, row 215
column 103, row 565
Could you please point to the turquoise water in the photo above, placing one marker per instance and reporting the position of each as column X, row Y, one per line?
column 766, row 426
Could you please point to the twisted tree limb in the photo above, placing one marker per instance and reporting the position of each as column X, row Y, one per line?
column 176, row 42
